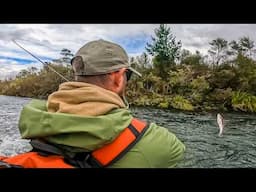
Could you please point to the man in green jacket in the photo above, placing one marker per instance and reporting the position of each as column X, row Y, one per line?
column 92, row 112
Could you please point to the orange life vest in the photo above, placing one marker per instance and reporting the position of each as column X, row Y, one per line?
column 51, row 157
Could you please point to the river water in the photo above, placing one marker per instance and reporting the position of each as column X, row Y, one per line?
column 199, row 132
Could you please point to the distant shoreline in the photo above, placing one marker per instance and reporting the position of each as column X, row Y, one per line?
column 167, row 109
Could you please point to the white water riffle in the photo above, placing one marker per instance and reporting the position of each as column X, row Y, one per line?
column 10, row 140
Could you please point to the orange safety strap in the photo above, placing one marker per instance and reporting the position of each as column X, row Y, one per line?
column 111, row 152
column 34, row 160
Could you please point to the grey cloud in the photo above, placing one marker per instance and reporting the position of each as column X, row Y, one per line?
column 198, row 36
column 14, row 34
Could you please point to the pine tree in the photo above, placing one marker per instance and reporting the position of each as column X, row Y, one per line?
column 164, row 49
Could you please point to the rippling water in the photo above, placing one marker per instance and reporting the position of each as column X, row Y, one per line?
column 199, row 132
column 10, row 142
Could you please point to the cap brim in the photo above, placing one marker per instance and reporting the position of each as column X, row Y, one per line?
column 134, row 71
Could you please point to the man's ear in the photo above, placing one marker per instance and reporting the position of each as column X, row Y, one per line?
column 118, row 80
column 77, row 64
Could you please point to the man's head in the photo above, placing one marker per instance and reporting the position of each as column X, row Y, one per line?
column 104, row 64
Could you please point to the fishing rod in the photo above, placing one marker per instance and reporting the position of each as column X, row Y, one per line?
column 44, row 63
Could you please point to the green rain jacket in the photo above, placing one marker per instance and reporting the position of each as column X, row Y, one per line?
column 158, row 148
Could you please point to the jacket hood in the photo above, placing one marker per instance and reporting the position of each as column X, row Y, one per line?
column 83, row 99
column 83, row 132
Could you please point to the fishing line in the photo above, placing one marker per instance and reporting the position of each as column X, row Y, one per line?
column 40, row 61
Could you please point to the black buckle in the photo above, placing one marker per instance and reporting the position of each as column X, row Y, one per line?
column 82, row 160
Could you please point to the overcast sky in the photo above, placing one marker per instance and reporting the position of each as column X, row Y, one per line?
column 47, row 40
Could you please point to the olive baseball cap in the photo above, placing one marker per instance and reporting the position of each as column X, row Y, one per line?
column 101, row 57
